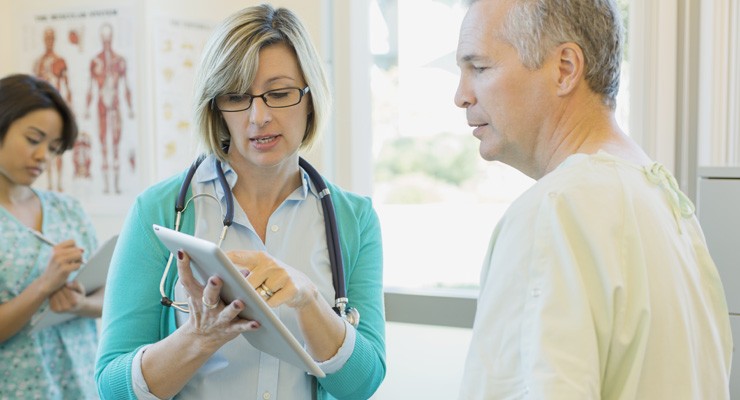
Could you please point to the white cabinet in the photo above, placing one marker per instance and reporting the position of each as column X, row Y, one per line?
column 718, row 210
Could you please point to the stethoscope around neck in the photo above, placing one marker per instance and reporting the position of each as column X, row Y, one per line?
column 350, row 314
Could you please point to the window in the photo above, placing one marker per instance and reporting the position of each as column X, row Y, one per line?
column 438, row 201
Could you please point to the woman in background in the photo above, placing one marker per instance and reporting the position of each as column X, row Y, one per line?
column 261, row 96
column 43, row 237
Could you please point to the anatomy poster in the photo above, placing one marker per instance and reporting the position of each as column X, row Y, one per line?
column 178, row 46
column 88, row 55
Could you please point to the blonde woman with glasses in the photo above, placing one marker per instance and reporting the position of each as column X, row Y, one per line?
column 261, row 96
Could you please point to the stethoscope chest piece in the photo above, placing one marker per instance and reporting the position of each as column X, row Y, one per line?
column 352, row 316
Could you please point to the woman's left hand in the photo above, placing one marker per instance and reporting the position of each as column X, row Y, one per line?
column 69, row 298
column 277, row 282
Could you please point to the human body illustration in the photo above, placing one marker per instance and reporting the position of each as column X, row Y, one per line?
column 81, row 157
column 107, row 72
column 52, row 68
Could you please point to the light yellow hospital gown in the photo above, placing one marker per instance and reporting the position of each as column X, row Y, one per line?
column 598, row 285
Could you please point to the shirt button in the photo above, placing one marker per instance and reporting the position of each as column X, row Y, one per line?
column 266, row 395
column 274, row 228
column 536, row 292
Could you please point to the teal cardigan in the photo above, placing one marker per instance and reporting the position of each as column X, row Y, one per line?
column 133, row 316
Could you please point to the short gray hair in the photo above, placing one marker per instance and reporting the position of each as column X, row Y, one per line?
column 229, row 65
column 535, row 27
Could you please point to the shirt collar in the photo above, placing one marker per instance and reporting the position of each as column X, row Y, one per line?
column 207, row 173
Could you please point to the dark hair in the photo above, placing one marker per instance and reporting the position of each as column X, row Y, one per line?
column 21, row 94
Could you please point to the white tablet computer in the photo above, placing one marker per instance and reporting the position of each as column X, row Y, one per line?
column 206, row 260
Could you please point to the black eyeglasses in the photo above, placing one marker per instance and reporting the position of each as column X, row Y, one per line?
column 278, row 98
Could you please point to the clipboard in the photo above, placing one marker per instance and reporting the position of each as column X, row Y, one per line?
column 273, row 337
column 92, row 276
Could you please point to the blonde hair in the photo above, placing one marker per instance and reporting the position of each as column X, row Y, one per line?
column 229, row 65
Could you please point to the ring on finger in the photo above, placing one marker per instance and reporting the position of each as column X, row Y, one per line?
column 265, row 291
column 206, row 304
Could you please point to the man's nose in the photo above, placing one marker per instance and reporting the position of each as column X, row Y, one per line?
column 463, row 96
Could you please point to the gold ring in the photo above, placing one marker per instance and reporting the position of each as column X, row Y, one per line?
column 265, row 291
column 206, row 304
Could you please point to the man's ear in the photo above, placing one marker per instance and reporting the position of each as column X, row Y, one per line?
column 571, row 67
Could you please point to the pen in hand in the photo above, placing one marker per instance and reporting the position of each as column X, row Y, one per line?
column 40, row 236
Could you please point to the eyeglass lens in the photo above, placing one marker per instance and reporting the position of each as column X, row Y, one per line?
column 277, row 98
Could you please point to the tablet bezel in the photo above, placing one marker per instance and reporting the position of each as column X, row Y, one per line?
column 207, row 259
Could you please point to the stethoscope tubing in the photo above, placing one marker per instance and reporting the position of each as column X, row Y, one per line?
column 330, row 226
column 330, row 221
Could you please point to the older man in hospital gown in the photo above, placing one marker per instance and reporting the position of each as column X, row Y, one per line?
column 597, row 283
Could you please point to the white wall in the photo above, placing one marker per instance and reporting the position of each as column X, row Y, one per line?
column 312, row 12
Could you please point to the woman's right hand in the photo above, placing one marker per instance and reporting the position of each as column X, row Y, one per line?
column 169, row 364
column 211, row 321
column 66, row 258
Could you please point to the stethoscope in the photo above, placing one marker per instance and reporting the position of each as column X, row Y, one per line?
column 350, row 314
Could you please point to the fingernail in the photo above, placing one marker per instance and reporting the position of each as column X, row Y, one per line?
column 254, row 325
column 211, row 282
column 180, row 255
